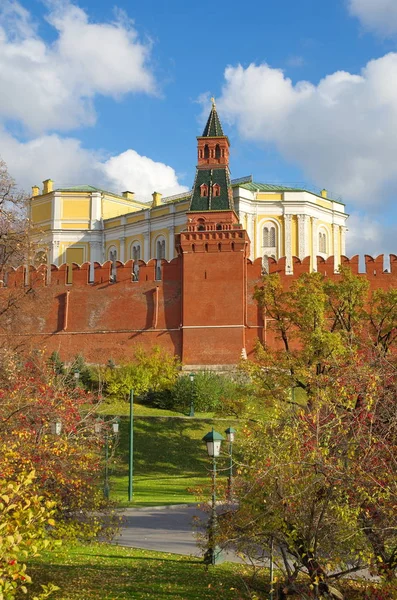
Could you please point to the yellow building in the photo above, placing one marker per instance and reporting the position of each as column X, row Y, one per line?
column 84, row 223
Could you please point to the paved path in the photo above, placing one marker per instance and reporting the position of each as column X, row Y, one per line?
column 165, row 529
column 171, row 529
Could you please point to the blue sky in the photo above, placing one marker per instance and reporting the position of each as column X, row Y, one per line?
column 114, row 95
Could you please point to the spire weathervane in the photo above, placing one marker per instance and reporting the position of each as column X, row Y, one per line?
column 213, row 102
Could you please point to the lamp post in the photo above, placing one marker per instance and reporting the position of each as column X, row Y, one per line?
column 191, row 377
column 230, row 435
column 115, row 429
column 212, row 556
column 131, row 448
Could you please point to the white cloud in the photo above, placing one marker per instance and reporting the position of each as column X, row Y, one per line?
column 367, row 235
column 66, row 162
column 379, row 16
column 51, row 86
column 131, row 171
column 342, row 132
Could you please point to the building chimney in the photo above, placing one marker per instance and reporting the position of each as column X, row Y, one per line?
column 324, row 193
column 156, row 199
column 129, row 195
column 35, row 190
column 48, row 186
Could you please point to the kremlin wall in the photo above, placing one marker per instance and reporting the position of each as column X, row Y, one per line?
column 201, row 309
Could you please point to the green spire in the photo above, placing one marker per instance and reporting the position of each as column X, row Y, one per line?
column 213, row 127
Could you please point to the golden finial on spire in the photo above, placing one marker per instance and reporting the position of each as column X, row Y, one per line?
column 213, row 102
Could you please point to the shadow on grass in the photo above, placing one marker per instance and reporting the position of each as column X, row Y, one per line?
column 169, row 446
column 111, row 576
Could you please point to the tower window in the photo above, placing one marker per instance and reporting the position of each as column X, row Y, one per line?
column 206, row 151
column 217, row 151
column 216, row 190
column 204, row 190
column 200, row 225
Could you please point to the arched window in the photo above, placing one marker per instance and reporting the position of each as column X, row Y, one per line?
column 216, row 189
column 204, row 190
column 219, row 226
column 135, row 251
column 322, row 242
column 200, row 225
column 112, row 255
column 217, row 151
column 160, row 248
column 270, row 242
column 206, row 151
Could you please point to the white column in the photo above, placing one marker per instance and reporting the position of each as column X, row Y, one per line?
column 122, row 249
column 335, row 238
column 96, row 210
column 54, row 253
column 303, row 238
column 171, row 242
column 57, row 210
column 314, row 243
column 146, row 246
column 251, row 233
column 343, row 240
column 288, row 242
column 95, row 252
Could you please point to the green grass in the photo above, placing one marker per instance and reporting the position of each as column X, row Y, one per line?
column 122, row 408
column 107, row 572
column 169, row 460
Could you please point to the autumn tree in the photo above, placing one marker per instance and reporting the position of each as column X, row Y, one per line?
column 49, row 427
column 14, row 224
column 318, row 472
column 153, row 370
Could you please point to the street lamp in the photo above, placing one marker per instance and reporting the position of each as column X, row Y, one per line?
column 212, row 556
column 191, row 377
column 230, row 435
column 115, row 429
column 131, row 448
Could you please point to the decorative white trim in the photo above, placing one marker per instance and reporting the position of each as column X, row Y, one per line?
column 314, row 243
column 288, row 243
column 303, row 240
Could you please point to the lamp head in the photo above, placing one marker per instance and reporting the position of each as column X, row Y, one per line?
column 213, row 439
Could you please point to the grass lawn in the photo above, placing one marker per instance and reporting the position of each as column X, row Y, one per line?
column 169, row 460
column 107, row 572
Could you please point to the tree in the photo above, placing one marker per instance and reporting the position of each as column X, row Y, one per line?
column 25, row 520
column 67, row 463
column 318, row 475
column 14, row 225
column 154, row 371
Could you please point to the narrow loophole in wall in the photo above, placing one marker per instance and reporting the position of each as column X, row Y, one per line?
column 219, row 247
column 206, row 247
column 205, row 274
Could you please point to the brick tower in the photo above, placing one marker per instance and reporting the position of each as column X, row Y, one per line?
column 214, row 251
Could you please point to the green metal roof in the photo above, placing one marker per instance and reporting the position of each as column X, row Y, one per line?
column 213, row 127
column 267, row 187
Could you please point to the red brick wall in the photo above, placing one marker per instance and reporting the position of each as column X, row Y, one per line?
column 202, row 309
